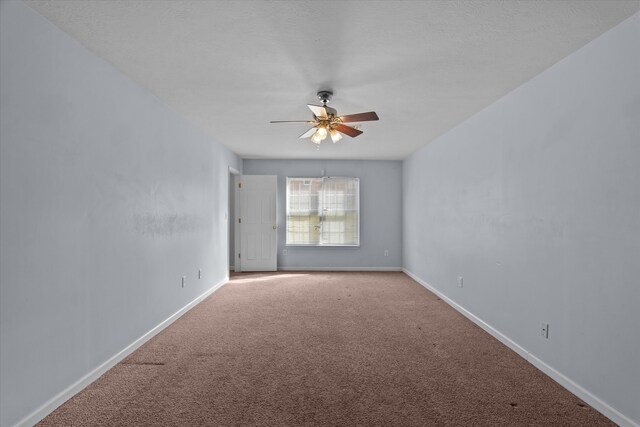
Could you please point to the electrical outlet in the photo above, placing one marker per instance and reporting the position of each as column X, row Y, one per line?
column 460, row 282
column 544, row 330
column 386, row 252
column 184, row 280
column 199, row 273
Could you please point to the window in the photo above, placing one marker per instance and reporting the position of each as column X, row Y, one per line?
column 323, row 211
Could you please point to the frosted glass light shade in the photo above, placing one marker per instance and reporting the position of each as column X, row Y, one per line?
column 322, row 132
column 335, row 136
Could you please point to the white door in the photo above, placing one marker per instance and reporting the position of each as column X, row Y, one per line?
column 257, row 222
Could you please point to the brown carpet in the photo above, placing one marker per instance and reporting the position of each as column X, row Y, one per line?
column 326, row 349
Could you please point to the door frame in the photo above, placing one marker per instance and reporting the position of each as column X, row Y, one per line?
column 232, row 223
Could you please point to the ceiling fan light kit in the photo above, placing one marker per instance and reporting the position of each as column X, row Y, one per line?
column 326, row 121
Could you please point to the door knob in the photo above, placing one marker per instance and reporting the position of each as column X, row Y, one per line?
column 274, row 227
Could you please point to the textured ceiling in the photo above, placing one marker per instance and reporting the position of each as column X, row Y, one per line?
column 424, row 67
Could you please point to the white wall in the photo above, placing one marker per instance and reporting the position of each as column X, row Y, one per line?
column 380, row 213
column 107, row 198
column 535, row 201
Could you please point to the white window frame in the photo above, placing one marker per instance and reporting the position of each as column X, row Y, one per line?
column 320, row 211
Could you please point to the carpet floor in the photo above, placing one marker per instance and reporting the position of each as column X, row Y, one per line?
column 324, row 349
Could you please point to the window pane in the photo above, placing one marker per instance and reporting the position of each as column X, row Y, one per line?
column 303, row 217
column 340, row 224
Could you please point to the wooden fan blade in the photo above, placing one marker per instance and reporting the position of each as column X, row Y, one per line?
column 291, row 121
column 360, row 117
column 348, row 130
column 308, row 133
column 318, row 111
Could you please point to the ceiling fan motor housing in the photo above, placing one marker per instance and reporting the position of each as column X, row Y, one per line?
column 325, row 96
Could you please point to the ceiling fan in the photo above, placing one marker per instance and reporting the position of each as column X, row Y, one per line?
column 327, row 122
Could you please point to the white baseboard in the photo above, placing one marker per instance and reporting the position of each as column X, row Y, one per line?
column 597, row 403
column 83, row 382
column 339, row 268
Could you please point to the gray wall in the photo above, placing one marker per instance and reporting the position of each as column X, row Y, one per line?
column 380, row 213
column 107, row 198
column 535, row 201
